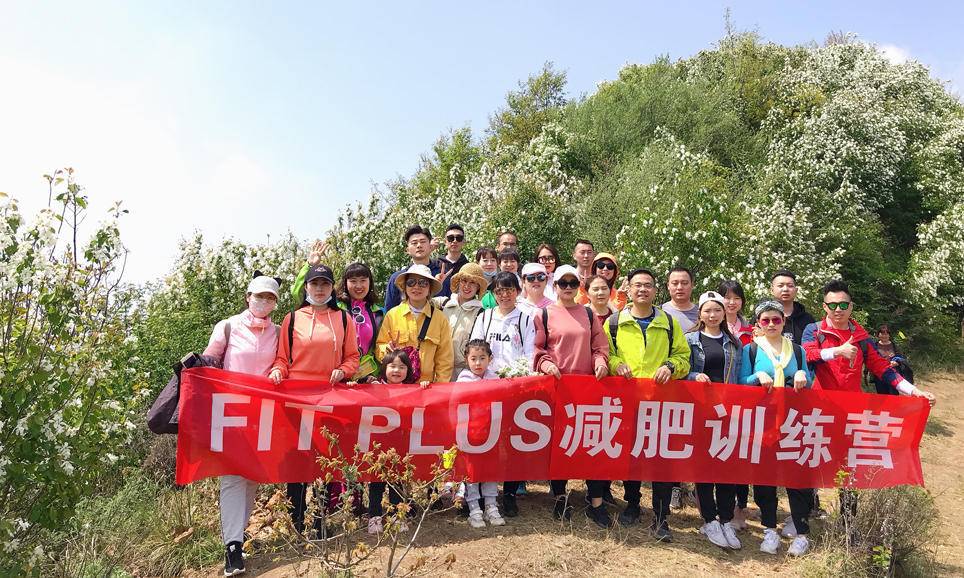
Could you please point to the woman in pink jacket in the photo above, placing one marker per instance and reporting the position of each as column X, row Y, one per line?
column 245, row 343
column 570, row 340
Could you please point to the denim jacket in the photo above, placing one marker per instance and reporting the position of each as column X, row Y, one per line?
column 731, row 357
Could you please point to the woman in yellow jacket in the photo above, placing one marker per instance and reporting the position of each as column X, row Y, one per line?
column 417, row 322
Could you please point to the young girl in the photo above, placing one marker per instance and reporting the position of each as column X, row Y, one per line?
column 396, row 370
column 772, row 360
column 317, row 342
column 478, row 356
column 715, row 358
column 245, row 343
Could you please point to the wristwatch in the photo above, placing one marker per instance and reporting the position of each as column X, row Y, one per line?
column 669, row 364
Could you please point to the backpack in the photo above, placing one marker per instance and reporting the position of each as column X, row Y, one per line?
column 291, row 331
column 797, row 354
column 614, row 329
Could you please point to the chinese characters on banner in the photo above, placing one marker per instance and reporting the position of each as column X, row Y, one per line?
column 538, row 428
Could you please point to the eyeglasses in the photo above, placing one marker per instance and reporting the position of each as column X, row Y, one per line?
column 638, row 286
column 843, row 306
column 770, row 321
column 455, row 238
column 503, row 291
column 533, row 277
column 356, row 313
column 606, row 265
column 571, row 284
column 417, row 282
column 547, row 259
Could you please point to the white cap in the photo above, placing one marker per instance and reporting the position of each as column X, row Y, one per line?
column 561, row 272
column 711, row 296
column 263, row 284
column 532, row 268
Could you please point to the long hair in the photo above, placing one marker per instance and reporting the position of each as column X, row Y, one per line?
column 353, row 271
column 701, row 325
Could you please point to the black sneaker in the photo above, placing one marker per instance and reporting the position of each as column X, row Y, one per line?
column 509, row 507
column 609, row 498
column 630, row 515
column 233, row 560
column 562, row 510
column 600, row 516
column 661, row 531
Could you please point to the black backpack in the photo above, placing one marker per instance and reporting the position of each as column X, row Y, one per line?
column 291, row 331
column 545, row 323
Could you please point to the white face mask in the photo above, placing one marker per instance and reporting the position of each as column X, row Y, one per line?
column 261, row 308
column 315, row 303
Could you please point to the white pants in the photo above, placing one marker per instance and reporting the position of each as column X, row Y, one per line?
column 237, row 502
column 488, row 490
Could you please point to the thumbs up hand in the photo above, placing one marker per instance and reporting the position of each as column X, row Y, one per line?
column 848, row 350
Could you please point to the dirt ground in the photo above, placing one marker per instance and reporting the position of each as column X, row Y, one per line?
column 533, row 544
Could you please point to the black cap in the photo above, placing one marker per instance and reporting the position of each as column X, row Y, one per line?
column 320, row 272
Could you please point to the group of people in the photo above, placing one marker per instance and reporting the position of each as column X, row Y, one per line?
column 452, row 319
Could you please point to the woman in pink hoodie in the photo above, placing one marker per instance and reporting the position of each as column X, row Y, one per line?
column 245, row 343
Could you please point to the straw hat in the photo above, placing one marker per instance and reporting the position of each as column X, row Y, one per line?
column 471, row 273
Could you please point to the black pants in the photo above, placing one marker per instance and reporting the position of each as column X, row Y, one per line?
column 721, row 506
column 558, row 487
column 801, row 502
column 596, row 488
column 662, row 494
column 510, row 488
column 742, row 495
column 375, row 492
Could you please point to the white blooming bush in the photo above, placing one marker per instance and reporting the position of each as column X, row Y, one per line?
column 68, row 401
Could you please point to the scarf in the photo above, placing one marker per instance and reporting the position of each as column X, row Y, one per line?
column 779, row 364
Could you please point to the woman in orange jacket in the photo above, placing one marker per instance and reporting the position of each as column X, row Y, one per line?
column 317, row 342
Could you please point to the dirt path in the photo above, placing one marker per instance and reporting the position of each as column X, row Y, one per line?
column 534, row 545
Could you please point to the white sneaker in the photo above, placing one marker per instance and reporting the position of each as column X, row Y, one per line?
column 771, row 541
column 492, row 515
column 676, row 500
column 729, row 532
column 789, row 529
column 714, row 533
column 475, row 519
column 375, row 525
column 799, row 546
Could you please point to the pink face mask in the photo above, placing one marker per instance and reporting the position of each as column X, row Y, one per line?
column 261, row 308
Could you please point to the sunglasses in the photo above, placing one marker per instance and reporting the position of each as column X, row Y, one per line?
column 843, row 306
column 547, row 259
column 606, row 265
column 503, row 291
column 417, row 283
column 455, row 238
column 356, row 314
column 771, row 321
column 571, row 284
column 533, row 277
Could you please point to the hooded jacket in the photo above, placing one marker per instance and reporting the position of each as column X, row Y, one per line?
column 322, row 344
column 510, row 338
column 617, row 298
column 797, row 323
column 644, row 353
column 402, row 327
column 838, row 373
column 461, row 320
column 244, row 343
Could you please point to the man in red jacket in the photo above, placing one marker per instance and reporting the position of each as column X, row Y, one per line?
column 838, row 348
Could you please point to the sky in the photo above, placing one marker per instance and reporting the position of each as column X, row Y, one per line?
column 248, row 119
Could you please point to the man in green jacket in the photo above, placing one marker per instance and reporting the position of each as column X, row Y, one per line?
column 645, row 342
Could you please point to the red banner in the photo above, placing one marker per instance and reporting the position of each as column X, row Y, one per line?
column 538, row 428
